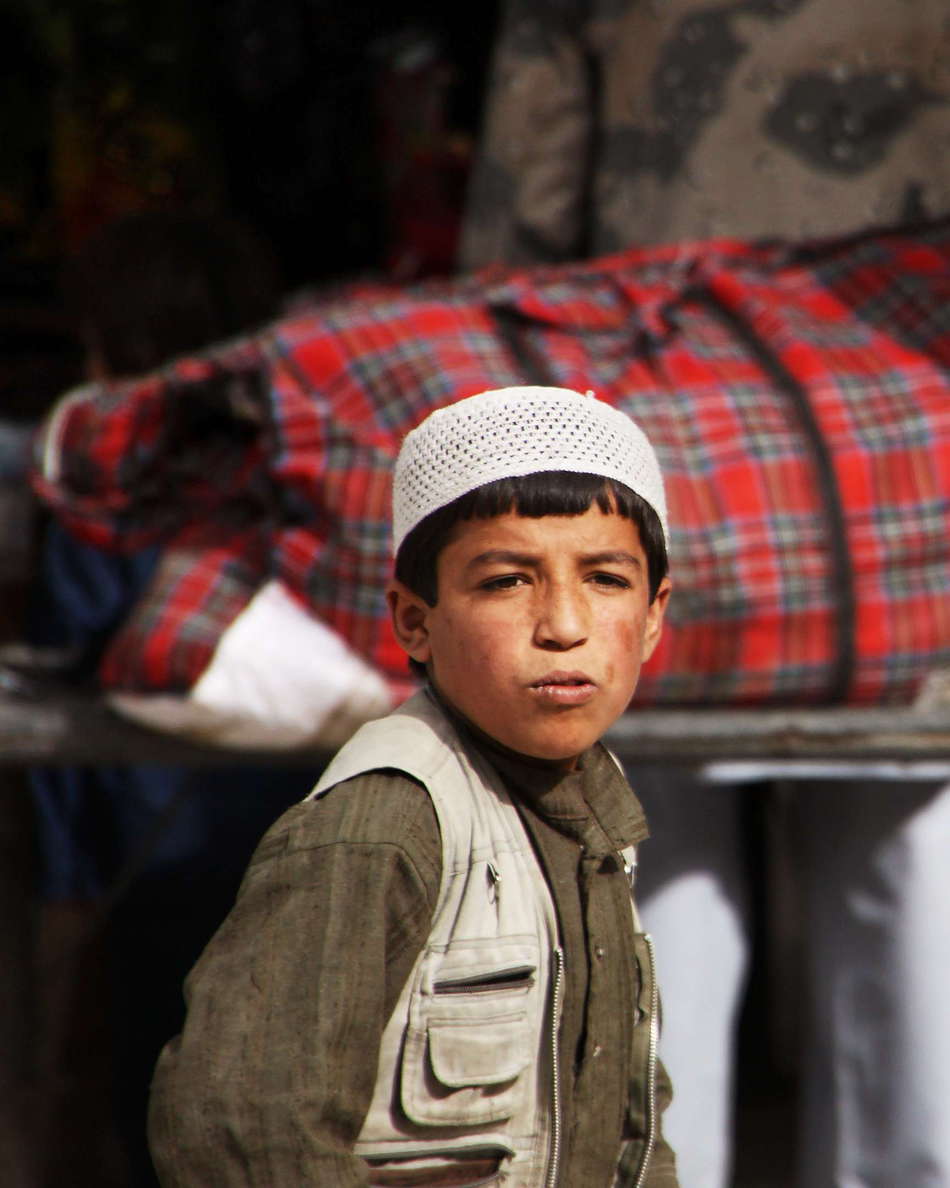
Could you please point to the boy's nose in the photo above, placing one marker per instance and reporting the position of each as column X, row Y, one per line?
column 561, row 620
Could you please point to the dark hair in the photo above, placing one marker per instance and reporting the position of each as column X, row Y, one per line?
column 547, row 493
column 156, row 284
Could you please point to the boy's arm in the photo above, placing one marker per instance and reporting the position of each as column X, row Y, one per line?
column 272, row 1076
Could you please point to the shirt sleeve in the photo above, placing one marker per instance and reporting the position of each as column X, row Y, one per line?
column 271, row 1078
column 93, row 441
column 123, row 464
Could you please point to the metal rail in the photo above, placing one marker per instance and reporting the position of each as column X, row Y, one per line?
column 68, row 729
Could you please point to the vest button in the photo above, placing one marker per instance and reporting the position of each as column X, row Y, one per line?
column 600, row 952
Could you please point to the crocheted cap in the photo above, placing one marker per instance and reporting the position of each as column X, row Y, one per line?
column 510, row 432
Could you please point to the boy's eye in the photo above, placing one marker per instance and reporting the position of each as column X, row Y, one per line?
column 505, row 581
column 613, row 580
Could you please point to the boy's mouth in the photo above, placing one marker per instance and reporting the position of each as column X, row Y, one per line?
column 564, row 688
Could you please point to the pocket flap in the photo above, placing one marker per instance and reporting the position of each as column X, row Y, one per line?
column 474, row 1053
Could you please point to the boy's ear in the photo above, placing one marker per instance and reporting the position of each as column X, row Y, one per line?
column 410, row 620
column 653, row 628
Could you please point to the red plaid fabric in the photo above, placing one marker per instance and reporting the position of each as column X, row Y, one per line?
column 799, row 403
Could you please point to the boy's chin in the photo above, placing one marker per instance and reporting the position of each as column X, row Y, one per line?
column 562, row 750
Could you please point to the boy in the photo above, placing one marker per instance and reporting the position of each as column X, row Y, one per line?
column 432, row 975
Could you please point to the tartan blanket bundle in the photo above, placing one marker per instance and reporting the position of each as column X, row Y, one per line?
column 798, row 400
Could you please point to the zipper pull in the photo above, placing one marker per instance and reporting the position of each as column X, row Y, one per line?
column 628, row 856
column 494, row 883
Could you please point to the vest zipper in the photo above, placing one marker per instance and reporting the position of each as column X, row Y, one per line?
column 650, row 1141
column 494, row 880
column 553, row 1166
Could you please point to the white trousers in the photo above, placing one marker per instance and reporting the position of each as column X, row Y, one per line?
column 873, row 862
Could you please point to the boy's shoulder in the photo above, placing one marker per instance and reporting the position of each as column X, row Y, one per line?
column 382, row 807
column 413, row 739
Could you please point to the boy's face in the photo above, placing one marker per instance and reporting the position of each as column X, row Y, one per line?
column 540, row 628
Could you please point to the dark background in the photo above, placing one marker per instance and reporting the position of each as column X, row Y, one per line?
column 341, row 132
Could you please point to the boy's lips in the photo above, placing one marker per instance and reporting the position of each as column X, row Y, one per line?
column 564, row 688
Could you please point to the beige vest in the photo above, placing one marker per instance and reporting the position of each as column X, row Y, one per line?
column 468, row 1060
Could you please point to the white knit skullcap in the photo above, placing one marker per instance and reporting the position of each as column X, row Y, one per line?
column 510, row 432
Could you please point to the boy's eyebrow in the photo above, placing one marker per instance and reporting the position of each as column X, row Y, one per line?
column 503, row 557
column 528, row 560
column 612, row 557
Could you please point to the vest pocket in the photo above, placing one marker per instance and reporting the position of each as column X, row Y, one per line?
column 469, row 1039
column 449, row 1169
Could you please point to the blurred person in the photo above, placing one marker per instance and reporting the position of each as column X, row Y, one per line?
column 143, row 860
column 610, row 125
